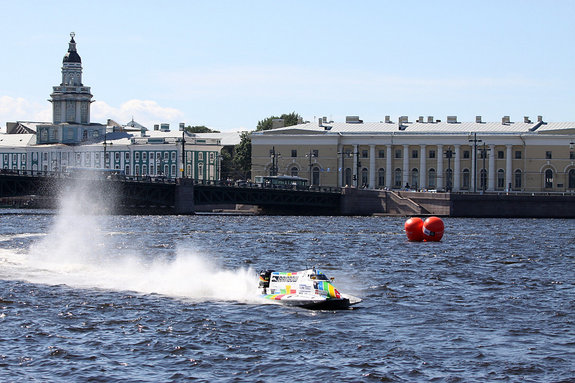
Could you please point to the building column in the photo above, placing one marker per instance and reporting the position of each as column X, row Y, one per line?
column 422, row 167
column 508, row 166
column 388, row 169
column 491, row 177
column 371, row 167
column 354, row 170
column 340, row 165
column 456, row 168
column 440, row 174
column 405, row 165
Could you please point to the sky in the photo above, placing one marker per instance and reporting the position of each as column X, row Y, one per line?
column 229, row 64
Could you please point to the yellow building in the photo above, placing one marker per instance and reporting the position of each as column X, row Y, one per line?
column 428, row 154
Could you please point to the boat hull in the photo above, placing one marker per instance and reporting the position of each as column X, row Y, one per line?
column 312, row 304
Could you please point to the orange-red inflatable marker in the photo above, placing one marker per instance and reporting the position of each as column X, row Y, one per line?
column 414, row 229
column 433, row 229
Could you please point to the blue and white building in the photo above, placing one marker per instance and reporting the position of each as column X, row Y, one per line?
column 72, row 140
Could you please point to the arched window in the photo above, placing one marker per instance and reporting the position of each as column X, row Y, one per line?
column 500, row 179
column 548, row 179
column 381, row 177
column 348, row 177
column 483, row 179
column 414, row 178
column 432, row 178
column 466, row 181
column 364, row 180
column 294, row 171
column 315, row 176
column 571, row 182
column 517, row 183
column 449, row 179
column 397, row 178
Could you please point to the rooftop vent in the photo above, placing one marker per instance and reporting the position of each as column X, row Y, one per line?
column 539, row 118
column 387, row 119
column 452, row 119
column 478, row 119
column 526, row 120
column 156, row 127
column 430, row 119
column 353, row 120
column 505, row 120
column 420, row 119
column 164, row 127
column 402, row 120
column 278, row 123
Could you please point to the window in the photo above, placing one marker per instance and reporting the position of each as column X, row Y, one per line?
column 127, row 170
column 432, row 181
column 466, row 179
column 518, row 154
column 200, row 156
column 152, row 170
column 127, row 157
column 571, row 182
column 173, row 156
column 414, row 178
column 432, row 153
column 188, row 170
column 117, row 156
column 381, row 154
column 572, row 155
column 364, row 154
column 201, row 170
column 166, row 156
column 144, row 170
column 466, row 154
column 364, row 180
column 144, row 156
column 212, row 156
column 500, row 179
column 414, row 153
column 500, row 154
column 315, row 153
column 483, row 179
column 548, row 155
column 548, row 178
column 381, row 177
column 294, row 152
column 315, row 176
column 294, row 171
column 517, row 179
column 397, row 178
column 347, row 177
column 137, row 156
column 449, row 179
column 397, row 153
column 137, row 170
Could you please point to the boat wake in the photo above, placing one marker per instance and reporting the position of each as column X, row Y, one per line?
column 77, row 252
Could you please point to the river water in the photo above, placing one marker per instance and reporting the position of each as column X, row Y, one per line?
column 172, row 298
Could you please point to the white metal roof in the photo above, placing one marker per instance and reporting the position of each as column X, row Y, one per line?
column 441, row 127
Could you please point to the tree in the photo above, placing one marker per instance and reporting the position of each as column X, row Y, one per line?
column 200, row 129
column 289, row 120
column 242, row 160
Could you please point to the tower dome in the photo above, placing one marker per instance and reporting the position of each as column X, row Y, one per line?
column 72, row 55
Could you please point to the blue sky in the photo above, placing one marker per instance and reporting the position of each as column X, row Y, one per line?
column 229, row 64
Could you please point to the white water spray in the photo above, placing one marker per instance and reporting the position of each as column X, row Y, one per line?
column 76, row 252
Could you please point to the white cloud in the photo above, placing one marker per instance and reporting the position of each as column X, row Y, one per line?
column 20, row 109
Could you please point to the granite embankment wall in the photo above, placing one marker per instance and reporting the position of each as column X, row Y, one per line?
column 404, row 203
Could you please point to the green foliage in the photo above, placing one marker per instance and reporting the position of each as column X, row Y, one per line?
column 200, row 129
column 242, row 160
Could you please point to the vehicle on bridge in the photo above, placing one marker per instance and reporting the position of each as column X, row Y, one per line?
column 282, row 182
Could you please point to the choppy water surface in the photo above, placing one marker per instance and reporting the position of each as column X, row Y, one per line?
column 160, row 298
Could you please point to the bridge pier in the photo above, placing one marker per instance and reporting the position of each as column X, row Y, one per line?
column 184, row 198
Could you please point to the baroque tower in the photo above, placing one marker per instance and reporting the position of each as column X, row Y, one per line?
column 71, row 100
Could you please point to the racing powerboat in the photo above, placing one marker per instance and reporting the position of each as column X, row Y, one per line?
column 310, row 289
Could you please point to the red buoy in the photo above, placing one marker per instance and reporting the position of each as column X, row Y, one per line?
column 433, row 229
column 414, row 229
